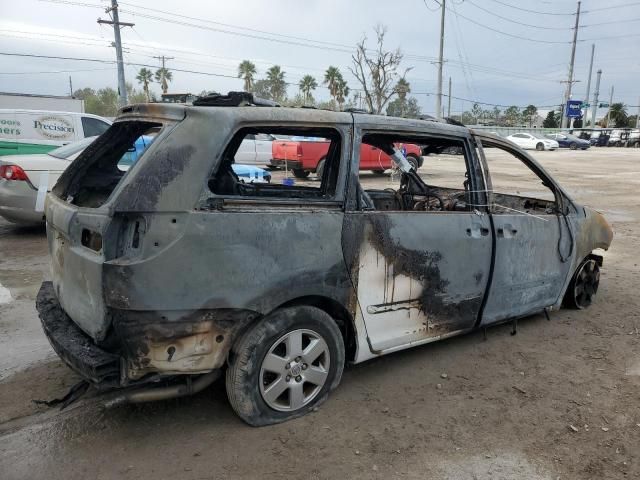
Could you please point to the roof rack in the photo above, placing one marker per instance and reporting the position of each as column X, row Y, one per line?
column 233, row 99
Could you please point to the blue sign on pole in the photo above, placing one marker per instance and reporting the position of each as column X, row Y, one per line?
column 573, row 109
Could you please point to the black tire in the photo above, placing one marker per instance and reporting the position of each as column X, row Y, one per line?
column 573, row 146
column 414, row 161
column 245, row 376
column 583, row 285
column 378, row 172
column 320, row 169
column 299, row 173
column 636, row 145
column 540, row 146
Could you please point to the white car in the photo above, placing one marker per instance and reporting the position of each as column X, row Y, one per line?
column 255, row 150
column 26, row 179
column 533, row 141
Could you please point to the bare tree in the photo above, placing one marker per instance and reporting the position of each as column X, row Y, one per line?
column 377, row 71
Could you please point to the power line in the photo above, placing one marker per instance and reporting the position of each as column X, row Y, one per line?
column 610, row 7
column 515, row 21
column 66, row 39
column 510, row 34
column 611, row 37
column 609, row 23
column 58, row 71
column 532, row 11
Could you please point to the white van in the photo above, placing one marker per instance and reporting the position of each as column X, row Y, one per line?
column 39, row 131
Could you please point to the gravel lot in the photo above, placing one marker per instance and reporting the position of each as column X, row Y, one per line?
column 561, row 399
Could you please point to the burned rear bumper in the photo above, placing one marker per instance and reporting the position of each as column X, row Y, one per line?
column 72, row 345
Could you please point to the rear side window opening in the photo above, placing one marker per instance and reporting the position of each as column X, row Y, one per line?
column 94, row 175
column 290, row 177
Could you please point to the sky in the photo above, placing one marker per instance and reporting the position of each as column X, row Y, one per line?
column 505, row 52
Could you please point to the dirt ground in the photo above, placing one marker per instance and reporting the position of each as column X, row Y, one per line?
column 560, row 400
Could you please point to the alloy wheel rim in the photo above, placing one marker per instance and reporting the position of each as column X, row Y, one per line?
column 294, row 370
column 586, row 284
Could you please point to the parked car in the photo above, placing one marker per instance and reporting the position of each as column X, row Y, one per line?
column 600, row 137
column 634, row 138
column 24, row 132
column 168, row 275
column 305, row 155
column 533, row 141
column 25, row 180
column 255, row 150
column 623, row 137
column 566, row 140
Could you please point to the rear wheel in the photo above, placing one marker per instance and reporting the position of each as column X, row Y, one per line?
column 584, row 285
column 299, row 173
column 540, row 146
column 285, row 365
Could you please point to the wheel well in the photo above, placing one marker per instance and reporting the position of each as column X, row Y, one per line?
column 338, row 312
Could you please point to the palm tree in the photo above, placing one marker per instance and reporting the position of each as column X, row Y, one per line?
column 246, row 71
column 618, row 115
column 402, row 89
column 307, row 84
column 332, row 78
column 277, row 85
column 342, row 92
column 145, row 77
column 164, row 75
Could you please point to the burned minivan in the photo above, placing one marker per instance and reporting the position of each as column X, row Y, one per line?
column 171, row 272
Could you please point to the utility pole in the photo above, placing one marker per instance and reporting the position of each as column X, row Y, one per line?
column 70, row 87
column 449, row 103
column 567, row 95
column 638, row 115
column 610, row 103
column 594, row 107
column 586, row 97
column 115, row 21
column 440, row 61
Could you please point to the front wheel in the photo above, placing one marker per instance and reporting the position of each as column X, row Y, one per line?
column 584, row 285
column 573, row 146
column 285, row 365
column 540, row 146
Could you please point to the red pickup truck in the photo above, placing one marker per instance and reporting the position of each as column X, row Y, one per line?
column 305, row 156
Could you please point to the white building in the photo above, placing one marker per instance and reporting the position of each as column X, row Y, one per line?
column 25, row 101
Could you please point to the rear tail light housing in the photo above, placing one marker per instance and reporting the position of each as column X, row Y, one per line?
column 13, row 172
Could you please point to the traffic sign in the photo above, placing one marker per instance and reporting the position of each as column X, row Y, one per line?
column 574, row 109
column 585, row 105
column 603, row 105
